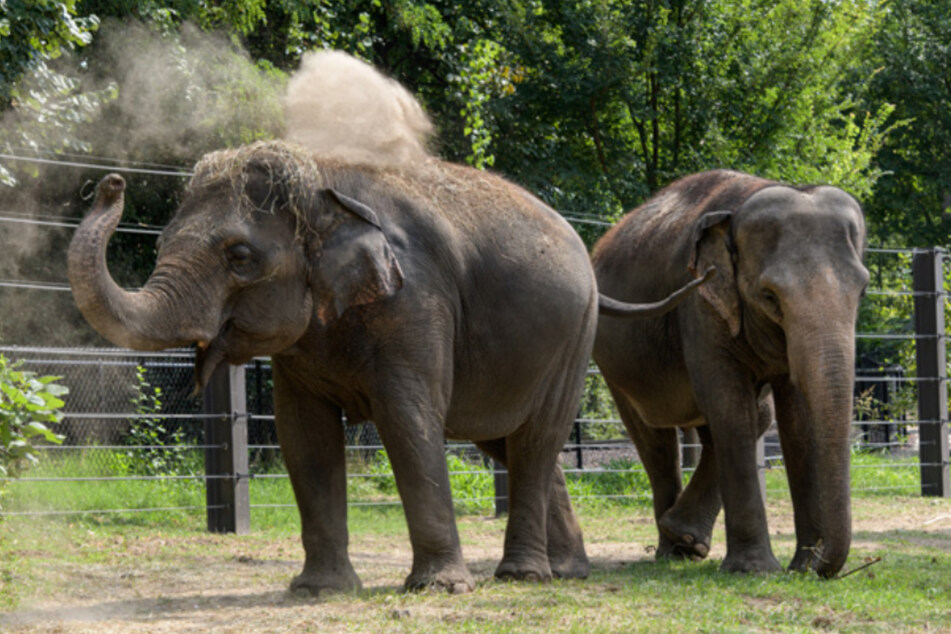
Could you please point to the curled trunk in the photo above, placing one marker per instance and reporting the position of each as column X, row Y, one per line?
column 140, row 320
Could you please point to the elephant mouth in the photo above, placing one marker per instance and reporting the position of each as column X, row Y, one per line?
column 210, row 355
column 207, row 358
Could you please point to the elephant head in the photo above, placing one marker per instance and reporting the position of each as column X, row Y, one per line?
column 796, row 258
column 258, row 250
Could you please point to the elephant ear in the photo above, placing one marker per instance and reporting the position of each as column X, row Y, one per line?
column 712, row 246
column 354, row 263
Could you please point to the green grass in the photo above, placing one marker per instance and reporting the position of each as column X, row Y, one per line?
column 160, row 555
column 624, row 485
column 909, row 590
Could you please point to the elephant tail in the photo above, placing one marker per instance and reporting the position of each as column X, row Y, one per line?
column 616, row 308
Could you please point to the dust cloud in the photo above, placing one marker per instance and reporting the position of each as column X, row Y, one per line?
column 149, row 101
column 340, row 107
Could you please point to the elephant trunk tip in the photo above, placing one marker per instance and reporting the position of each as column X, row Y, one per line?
column 826, row 559
column 110, row 189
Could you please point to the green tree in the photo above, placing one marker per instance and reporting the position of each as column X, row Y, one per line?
column 911, row 67
column 34, row 33
column 617, row 98
column 48, row 102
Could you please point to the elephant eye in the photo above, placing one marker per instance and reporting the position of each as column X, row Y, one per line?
column 240, row 255
column 772, row 302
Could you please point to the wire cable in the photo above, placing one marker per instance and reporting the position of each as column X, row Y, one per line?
column 108, row 168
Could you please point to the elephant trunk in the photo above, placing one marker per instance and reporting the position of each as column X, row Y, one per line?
column 818, row 443
column 140, row 320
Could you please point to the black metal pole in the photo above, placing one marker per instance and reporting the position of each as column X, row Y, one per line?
column 931, row 355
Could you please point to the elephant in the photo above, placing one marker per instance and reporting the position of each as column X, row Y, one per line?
column 438, row 302
column 771, row 333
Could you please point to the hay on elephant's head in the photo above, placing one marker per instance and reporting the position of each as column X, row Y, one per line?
column 289, row 169
column 343, row 109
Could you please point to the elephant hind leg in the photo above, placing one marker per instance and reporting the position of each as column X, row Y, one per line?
column 565, row 544
column 659, row 452
column 688, row 524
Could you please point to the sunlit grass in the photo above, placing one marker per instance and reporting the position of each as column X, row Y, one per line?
column 621, row 483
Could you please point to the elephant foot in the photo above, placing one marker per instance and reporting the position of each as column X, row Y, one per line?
column 321, row 583
column 682, row 540
column 454, row 579
column 512, row 570
column 752, row 562
column 574, row 566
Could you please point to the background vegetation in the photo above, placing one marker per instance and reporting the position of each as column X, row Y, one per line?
column 592, row 105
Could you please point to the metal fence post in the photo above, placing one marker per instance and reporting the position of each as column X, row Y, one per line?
column 930, row 352
column 226, row 461
column 579, row 450
column 761, row 466
column 500, row 479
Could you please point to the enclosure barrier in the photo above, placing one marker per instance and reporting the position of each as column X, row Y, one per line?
column 233, row 400
column 931, row 356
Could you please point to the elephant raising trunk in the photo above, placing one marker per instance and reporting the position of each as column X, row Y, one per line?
column 437, row 301
column 140, row 320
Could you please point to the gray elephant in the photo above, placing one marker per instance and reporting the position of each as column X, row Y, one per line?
column 438, row 302
column 780, row 316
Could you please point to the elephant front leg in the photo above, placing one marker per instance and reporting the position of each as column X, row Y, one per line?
column 415, row 445
column 730, row 406
column 312, row 442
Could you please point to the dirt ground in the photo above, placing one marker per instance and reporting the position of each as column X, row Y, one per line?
column 146, row 581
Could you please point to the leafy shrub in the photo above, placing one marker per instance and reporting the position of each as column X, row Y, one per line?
column 153, row 449
column 28, row 403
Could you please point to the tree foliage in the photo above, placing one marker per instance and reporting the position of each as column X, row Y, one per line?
column 911, row 68
column 591, row 104
column 45, row 102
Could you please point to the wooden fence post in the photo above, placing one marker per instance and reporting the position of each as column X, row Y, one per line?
column 226, row 461
column 930, row 352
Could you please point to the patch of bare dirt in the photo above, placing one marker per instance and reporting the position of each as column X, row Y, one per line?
column 199, row 582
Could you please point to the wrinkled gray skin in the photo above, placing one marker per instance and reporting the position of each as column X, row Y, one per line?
column 442, row 303
column 779, row 314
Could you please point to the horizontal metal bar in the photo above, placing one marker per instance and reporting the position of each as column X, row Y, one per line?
column 108, row 168
column 619, row 496
column 125, row 447
column 103, row 352
column 893, row 250
column 156, row 416
column 110, row 511
column 73, row 225
column 116, row 478
column 890, row 337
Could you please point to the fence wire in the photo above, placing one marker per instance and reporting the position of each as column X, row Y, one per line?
column 132, row 415
column 106, row 404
